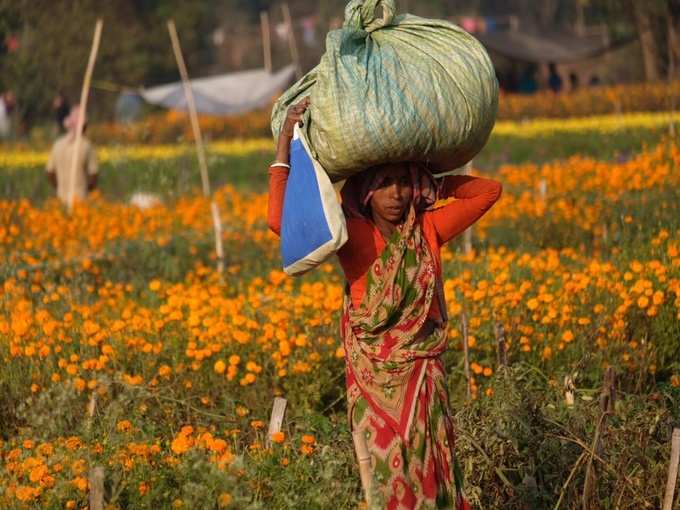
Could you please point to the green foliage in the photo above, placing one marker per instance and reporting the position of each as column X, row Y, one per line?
column 52, row 56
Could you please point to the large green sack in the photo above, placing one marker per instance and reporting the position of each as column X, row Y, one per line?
column 395, row 88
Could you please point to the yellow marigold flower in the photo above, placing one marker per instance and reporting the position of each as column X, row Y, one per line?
column 234, row 359
column 224, row 500
column 278, row 437
column 80, row 483
column 124, row 426
column 181, row 444
column 220, row 366
column 658, row 297
column 154, row 285
column 308, row 439
column 643, row 301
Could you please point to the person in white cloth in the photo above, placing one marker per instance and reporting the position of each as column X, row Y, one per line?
column 61, row 159
column 6, row 105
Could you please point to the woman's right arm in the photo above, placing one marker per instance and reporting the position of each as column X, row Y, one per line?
column 278, row 175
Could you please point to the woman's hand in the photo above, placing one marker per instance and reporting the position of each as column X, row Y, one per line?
column 294, row 116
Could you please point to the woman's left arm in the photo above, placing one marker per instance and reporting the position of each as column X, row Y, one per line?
column 474, row 196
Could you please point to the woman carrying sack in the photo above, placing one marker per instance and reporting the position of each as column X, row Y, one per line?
column 394, row 321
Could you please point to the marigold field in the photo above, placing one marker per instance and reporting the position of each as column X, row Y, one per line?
column 122, row 347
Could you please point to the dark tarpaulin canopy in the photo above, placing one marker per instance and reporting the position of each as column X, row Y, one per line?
column 542, row 48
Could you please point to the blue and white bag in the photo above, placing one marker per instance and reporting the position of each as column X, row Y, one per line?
column 312, row 224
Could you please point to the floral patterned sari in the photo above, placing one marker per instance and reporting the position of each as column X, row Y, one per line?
column 395, row 380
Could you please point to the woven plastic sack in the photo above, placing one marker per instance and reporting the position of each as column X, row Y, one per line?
column 395, row 88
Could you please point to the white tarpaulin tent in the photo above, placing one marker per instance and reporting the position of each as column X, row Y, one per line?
column 226, row 94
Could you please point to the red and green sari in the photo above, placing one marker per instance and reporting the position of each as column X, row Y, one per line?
column 396, row 387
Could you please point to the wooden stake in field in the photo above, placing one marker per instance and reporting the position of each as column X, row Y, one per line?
column 672, row 471
column 364, row 460
column 501, row 346
column 467, row 236
column 96, row 483
column 466, row 353
column 266, row 40
column 276, row 420
column 200, row 147
column 84, row 94
column 291, row 40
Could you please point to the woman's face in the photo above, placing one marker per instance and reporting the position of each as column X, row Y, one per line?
column 393, row 198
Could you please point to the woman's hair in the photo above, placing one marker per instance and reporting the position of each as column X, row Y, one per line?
column 357, row 192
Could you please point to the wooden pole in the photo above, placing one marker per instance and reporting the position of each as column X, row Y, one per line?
column 96, row 483
column 501, row 346
column 672, row 471
column 291, row 40
column 467, row 236
column 276, row 420
column 266, row 41
column 84, row 94
column 466, row 353
column 364, row 460
column 198, row 138
column 608, row 395
column 672, row 50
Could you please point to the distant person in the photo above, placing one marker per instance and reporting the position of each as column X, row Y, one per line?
column 554, row 79
column 574, row 82
column 7, row 102
column 61, row 159
column 594, row 81
column 61, row 108
column 527, row 83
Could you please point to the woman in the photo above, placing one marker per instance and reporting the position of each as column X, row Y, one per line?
column 394, row 323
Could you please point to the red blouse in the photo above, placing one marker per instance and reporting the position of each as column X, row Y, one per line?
column 474, row 196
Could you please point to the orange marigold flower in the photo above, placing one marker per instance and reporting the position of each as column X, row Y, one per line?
column 308, row 439
column 257, row 424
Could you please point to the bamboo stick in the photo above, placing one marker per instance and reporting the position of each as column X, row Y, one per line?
column 96, row 483
column 608, row 395
column 467, row 236
column 84, row 94
column 466, row 354
column 672, row 471
column 291, row 40
column 276, row 420
column 364, row 460
column 198, row 138
column 501, row 346
column 266, row 40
